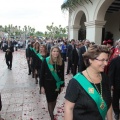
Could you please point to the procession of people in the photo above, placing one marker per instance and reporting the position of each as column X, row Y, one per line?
column 95, row 70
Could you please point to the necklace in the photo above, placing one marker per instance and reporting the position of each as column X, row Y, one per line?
column 102, row 106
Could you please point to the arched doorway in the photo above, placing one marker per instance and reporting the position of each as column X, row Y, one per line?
column 82, row 30
column 112, row 17
column 97, row 19
column 76, row 23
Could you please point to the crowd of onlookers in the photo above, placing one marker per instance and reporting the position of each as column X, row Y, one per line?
column 15, row 43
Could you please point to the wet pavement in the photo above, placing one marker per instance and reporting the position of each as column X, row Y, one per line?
column 20, row 95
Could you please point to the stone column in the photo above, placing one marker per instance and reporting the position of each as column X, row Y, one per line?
column 73, row 32
column 94, row 31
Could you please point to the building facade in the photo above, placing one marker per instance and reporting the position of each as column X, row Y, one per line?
column 93, row 20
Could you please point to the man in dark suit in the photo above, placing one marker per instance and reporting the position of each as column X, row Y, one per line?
column 112, row 49
column 9, row 55
column 75, row 58
column 114, row 75
column 28, row 51
column 82, row 50
column 69, row 55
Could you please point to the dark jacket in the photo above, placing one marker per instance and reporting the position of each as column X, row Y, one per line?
column 75, row 57
column 114, row 72
column 9, row 51
column 47, row 80
column 81, row 63
column 69, row 51
column 28, row 51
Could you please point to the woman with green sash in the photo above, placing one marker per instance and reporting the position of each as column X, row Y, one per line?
column 88, row 95
column 39, row 59
column 52, row 78
column 30, row 63
column 36, row 49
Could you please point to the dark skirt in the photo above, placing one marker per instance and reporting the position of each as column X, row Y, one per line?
column 50, row 90
column 51, row 96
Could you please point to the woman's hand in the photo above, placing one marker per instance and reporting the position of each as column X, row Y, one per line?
column 109, row 113
column 61, row 89
column 42, row 90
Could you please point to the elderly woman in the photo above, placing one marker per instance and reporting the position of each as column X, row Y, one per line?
column 88, row 95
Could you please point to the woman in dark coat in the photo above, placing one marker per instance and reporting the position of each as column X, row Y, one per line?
column 35, row 50
column 52, row 78
column 39, row 59
column 31, row 52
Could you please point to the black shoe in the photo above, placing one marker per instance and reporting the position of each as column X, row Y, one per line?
column 10, row 68
column 29, row 73
column 116, row 117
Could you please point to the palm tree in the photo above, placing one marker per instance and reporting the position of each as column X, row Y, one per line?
column 25, row 28
column 71, row 4
column 5, row 30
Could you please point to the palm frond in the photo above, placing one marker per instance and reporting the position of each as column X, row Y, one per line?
column 71, row 4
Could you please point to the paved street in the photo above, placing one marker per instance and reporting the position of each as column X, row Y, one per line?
column 20, row 95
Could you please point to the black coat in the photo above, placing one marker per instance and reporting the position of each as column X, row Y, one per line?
column 28, row 51
column 9, row 51
column 69, row 51
column 75, row 57
column 114, row 72
column 46, row 78
column 38, row 61
column 81, row 63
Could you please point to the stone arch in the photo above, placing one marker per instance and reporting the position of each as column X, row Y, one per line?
column 101, row 9
column 77, row 14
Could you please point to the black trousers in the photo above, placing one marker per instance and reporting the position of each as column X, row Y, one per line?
column 115, row 101
column 29, row 66
column 9, row 63
column 74, row 69
column 64, row 56
column 69, row 66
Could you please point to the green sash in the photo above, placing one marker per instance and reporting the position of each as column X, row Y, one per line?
column 34, row 51
column 88, row 87
column 31, row 48
column 40, row 56
column 58, row 80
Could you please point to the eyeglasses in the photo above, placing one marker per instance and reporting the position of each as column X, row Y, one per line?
column 102, row 60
